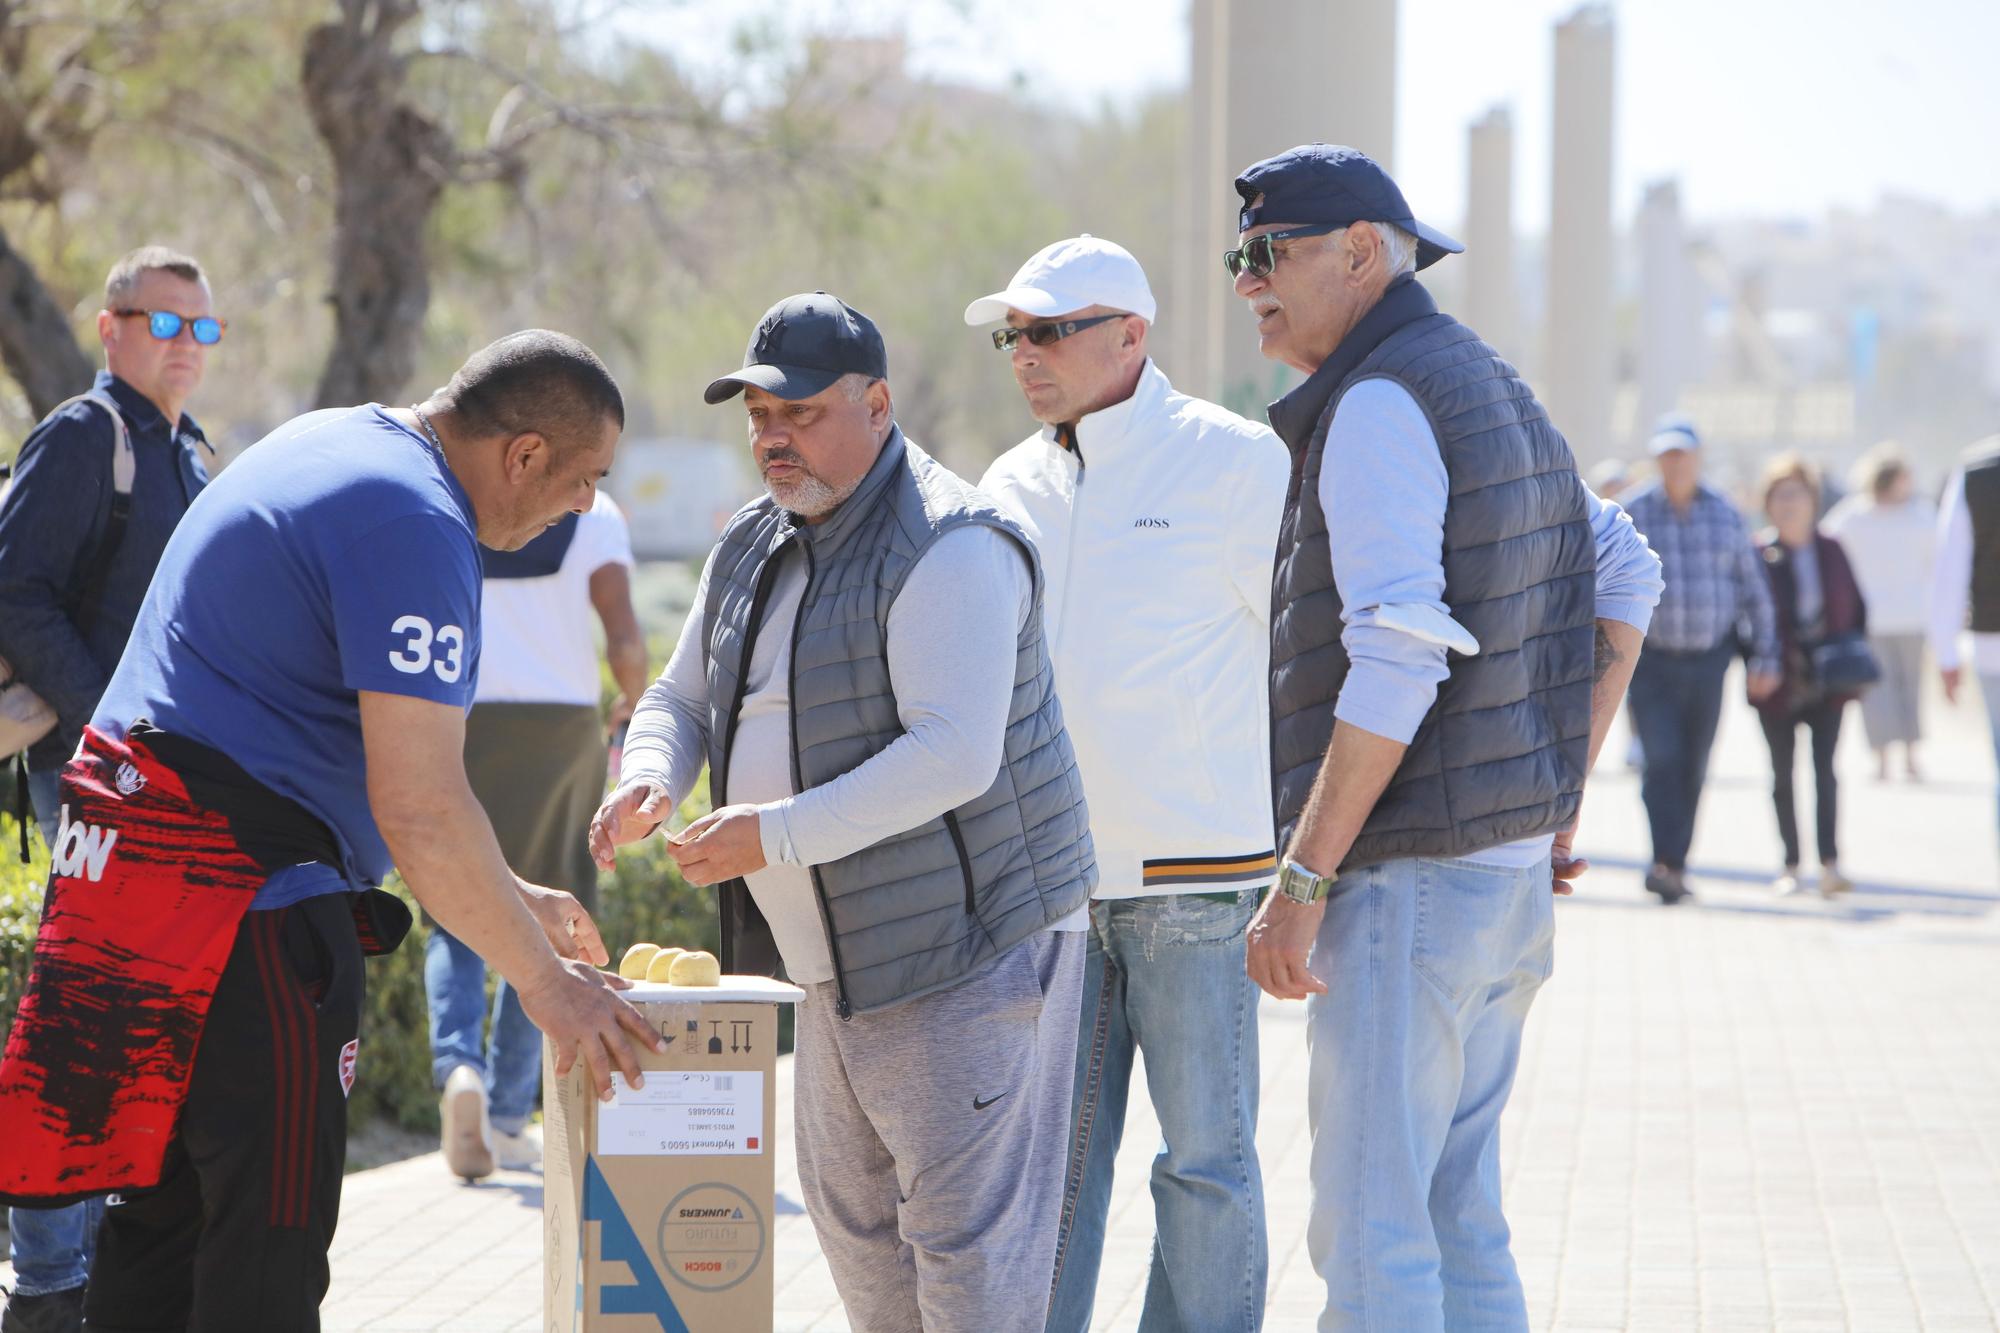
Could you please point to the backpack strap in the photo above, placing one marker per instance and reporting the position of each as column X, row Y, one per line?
column 124, row 466
column 124, row 471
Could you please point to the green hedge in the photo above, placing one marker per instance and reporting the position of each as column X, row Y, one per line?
column 644, row 899
column 20, row 911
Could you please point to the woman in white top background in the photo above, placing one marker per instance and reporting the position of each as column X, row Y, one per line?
column 1890, row 534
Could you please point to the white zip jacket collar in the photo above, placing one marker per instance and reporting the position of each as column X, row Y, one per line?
column 1157, row 534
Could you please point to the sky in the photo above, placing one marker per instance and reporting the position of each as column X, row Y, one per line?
column 1760, row 108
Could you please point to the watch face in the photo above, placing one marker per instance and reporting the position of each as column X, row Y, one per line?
column 1299, row 884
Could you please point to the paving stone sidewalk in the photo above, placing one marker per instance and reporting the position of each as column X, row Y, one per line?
column 1748, row 1113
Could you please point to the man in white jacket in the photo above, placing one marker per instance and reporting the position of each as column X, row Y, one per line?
column 1156, row 517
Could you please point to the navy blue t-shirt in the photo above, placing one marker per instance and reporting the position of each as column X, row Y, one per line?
column 336, row 555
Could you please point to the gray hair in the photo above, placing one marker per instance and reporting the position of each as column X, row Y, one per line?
column 1399, row 248
column 854, row 385
column 123, row 281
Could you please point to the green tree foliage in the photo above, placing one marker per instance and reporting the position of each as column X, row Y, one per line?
column 596, row 186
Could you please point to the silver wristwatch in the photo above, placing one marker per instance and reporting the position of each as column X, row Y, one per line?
column 1302, row 885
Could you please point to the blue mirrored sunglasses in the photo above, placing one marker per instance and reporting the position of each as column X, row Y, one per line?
column 166, row 325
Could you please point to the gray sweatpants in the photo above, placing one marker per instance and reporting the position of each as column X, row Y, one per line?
column 931, row 1141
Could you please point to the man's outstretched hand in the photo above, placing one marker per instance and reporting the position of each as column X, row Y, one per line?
column 580, row 1012
column 571, row 932
column 627, row 815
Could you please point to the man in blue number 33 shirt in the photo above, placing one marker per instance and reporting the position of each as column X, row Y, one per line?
column 286, row 725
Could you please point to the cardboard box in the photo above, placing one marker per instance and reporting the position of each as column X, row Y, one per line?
column 657, row 1205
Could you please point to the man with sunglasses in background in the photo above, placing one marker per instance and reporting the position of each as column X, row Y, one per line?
column 1454, row 621
column 98, row 488
column 1155, row 515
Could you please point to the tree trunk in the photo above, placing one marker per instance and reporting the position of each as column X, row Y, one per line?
column 391, row 165
column 36, row 343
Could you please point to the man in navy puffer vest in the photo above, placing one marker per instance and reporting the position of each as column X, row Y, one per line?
column 1454, row 618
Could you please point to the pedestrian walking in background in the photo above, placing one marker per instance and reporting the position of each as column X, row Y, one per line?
column 1889, row 533
column 1965, row 583
column 535, row 749
column 1717, row 599
column 1820, row 609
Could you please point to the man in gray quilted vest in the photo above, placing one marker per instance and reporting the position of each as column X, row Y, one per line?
column 898, row 825
column 1454, row 620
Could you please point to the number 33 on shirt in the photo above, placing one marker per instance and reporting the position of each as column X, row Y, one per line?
column 440, row 650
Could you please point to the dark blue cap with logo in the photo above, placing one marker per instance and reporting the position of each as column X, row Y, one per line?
column 802, row 346
column 1321, row 182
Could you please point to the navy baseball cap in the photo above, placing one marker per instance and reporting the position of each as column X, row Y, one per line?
column 1322, row 182
column 802, row 345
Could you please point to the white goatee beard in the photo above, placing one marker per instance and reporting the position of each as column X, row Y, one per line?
column 810, row 496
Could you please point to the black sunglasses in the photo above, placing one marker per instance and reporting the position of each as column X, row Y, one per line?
column 1257, row 255
column 1044, row 332
column 166, row 325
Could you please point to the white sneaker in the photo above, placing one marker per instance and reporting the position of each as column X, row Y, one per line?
column 467, row 1137
column 519, row 1152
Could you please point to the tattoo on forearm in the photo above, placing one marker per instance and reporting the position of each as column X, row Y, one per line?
column 1604, row 658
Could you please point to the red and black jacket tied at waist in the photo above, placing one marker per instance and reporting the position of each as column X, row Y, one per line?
column 163, row 844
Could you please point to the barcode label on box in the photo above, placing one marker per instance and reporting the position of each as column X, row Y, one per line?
column 679, row 1114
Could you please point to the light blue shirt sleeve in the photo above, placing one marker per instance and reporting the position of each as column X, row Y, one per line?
column 1628, row 572
column 1384, row 488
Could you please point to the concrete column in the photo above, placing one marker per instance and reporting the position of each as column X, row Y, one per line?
column 1578, row 378
column 1490, row 302
column 1266, row 75
column 1193, row 328
column 1670, row 306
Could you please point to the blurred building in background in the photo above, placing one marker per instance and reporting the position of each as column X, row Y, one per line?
column 1823, row 334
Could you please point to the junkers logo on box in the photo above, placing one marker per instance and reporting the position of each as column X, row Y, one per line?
column 712, row 1237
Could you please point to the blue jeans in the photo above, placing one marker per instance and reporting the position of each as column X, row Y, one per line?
column 51, row 1247
column 511, row 1060
column 1430, row 967
column 1164, row 977
column 1676, row 702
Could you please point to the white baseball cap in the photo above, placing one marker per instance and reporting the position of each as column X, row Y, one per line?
column 1671, row 432
column 1069, row 275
